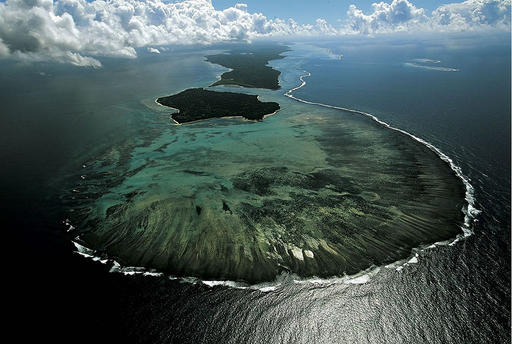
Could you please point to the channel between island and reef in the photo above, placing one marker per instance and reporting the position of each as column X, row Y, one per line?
column 469, row 210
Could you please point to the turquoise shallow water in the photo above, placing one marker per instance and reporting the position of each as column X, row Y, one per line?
column 454, row 294
column 311, row 190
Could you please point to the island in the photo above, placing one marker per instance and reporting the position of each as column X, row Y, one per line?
column 249, row 67
column 197, row 104
column 321, row 192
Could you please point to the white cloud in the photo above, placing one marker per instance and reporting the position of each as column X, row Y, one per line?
column 402, row 15
column 472, row 14
column 4, row 50
column 65, row 30
column 71, row 31
column 153, row 50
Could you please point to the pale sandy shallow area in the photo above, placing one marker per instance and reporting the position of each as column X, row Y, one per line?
column 312, row 191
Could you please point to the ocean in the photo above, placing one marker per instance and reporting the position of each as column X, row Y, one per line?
column 453, row 92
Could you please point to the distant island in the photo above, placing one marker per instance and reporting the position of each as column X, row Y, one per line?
column 320, row 193
column 249, row 67
column 198, row 104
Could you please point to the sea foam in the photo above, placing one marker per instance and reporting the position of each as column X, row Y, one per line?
column 470, row 212
column 469, row 209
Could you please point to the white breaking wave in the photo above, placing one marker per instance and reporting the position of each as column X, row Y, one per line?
column 438, row 68
column 470, row 211
column 425, row 60
column 362, row 277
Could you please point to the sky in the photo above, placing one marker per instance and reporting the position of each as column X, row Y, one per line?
column 78, row 32
column 306, row 11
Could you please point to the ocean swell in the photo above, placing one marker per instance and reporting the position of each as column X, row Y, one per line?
column 469, row 210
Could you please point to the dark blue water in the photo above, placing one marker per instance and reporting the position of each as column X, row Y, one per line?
column 465, row 113
column 455, row 294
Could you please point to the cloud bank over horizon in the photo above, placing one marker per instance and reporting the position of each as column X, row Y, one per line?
column 404, row 16
column 75, row 31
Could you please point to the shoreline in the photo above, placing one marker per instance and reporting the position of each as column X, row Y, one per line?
column 469, row 210
column 236, row 83
column 241, row 117
column 436, row 68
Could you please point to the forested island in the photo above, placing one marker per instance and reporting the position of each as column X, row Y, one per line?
column 198, row 104
column 317, row 193
column 249, row 67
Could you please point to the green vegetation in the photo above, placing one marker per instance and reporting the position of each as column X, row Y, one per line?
column 197, row 104
column 321, row 193
column 249, row 67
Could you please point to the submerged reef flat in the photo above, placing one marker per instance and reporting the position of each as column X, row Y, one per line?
column 197, row 104
column 249, row 67
column 315, row 192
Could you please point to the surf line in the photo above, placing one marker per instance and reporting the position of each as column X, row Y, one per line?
column 470, row 211
column 362, row 277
